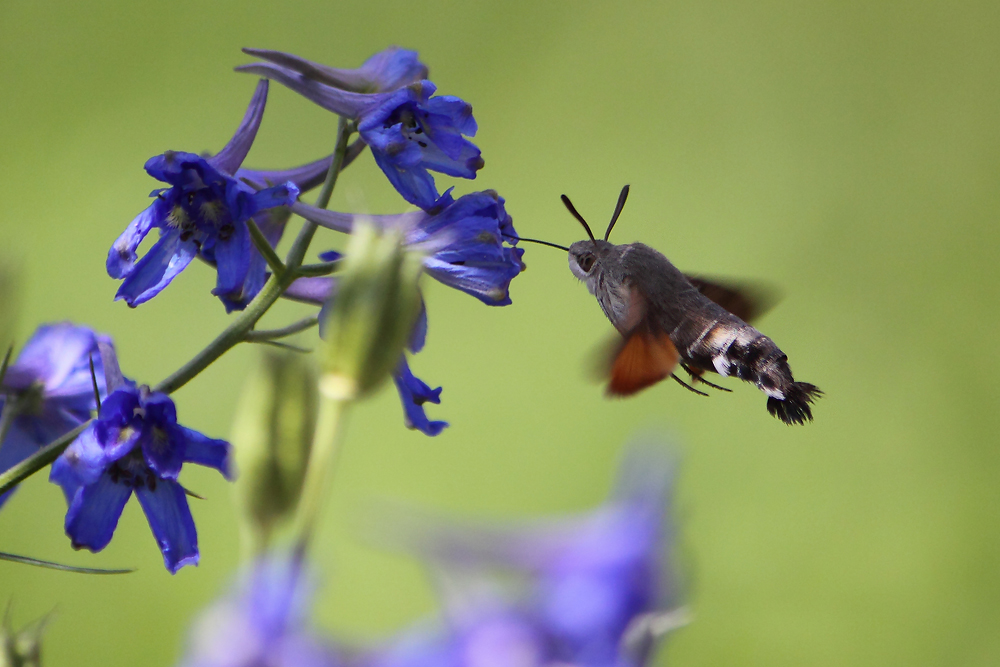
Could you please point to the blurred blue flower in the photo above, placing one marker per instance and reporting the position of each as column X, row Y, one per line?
column 409, row 130
column 134, row 445
column 204, row 212
column 261, row 623
column 464, row 241
column 48, row 390
column 599, row 586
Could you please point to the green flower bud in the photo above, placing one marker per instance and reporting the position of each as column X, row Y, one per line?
column 373, row 313
column 272, row 434
column 24, row 647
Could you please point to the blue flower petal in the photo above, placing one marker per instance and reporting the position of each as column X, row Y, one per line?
column 393, row 68
column 161, row 448
column 82, row 463
column 169, row 517
column 278, row 195
column 458, row 112
column 338, row 101
column 232, row 256
column 415, row 184
column 413, row 393
column 117, row 427
column 168, row 257
column 94, row 512
column 113, row 378
column 419, row 334
column 16, row 447
column 313, row 290
column 206, row 451
column 58, row 356
column 488, row 282
column 232, row 155
column 385, row 71
column 305, row 177
column 121, row 257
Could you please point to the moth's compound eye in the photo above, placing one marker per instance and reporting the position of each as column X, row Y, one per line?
column 587, row 262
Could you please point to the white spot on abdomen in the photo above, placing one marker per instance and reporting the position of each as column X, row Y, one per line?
column 721, row 365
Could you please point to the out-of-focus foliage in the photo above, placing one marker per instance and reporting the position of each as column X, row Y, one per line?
column 272, row 434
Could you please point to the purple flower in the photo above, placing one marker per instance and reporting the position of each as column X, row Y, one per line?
column 465, row 241
column 260, row 623
column 134, row 445
column 410, row 131
column 598, row 585
column 204, row 213
column 49, row 389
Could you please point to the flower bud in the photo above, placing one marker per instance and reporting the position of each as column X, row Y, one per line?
column 272, row 434
column 373, row 313
column 22, row 648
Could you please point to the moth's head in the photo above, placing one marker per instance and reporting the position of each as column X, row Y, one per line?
column 586, row 258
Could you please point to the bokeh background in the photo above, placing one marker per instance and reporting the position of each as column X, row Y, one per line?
column 845, row 152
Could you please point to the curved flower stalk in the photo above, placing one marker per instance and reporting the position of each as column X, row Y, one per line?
column 49, row 389
column 260, row 622
column 134, row 445
column 204, row 213
column 410, row 131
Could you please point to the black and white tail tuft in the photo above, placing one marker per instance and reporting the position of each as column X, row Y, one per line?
column 794, row 408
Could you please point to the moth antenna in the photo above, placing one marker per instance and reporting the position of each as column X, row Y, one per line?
column 572, row 209
column 521, row 238
column 618, row 211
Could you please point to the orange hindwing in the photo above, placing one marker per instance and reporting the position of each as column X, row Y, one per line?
column 644, row 359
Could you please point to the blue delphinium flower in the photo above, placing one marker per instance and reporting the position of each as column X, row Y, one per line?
column 49, row 390
column 466, row 241
column 134, row 445
column 409, row 130
column 261, row 623
column 203, row 212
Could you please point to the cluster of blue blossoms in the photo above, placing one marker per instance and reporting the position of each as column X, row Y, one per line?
column 594, row 590
column 205, row 211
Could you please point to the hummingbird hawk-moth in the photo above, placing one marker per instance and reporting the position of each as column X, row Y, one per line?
column 668, row 319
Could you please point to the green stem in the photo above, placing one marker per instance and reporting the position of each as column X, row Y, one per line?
column 43, row 457
column 264, row 248
column 319, row 470
column 26, row 560
column 298, row 250
column 233, row 334
column 320, row 268
column 293, row 328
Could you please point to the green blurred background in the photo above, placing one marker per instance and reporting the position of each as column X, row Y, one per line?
column 847, row 152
